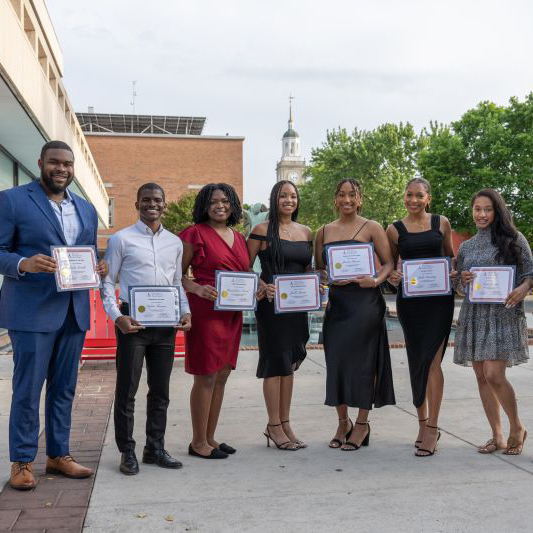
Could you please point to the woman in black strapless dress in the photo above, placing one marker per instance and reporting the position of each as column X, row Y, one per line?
column 426, row 321
column 283, row 247
column 356, row 346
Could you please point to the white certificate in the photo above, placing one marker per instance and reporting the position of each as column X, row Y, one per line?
column 426, row 277
column 297, row 293
column 155, row 305
column 236, row 290
column 76, row 268
column 346, row 261
column 492, row 284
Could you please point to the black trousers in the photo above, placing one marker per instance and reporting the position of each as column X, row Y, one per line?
column 156, row 345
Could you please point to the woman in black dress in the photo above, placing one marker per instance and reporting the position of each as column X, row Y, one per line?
column 356, row 346
column 283, row 247
column 426, row 321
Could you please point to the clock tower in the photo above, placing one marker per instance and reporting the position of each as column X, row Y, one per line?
column 292, row 164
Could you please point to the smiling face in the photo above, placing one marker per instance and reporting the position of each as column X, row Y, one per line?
column 151, row 205
column 348, row 199
column 287, row 200
column 57, row 169
column 416, row 198
column 483, row 212
column 219, row 208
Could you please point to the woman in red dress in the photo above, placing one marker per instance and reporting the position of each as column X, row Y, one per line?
column 213, row 342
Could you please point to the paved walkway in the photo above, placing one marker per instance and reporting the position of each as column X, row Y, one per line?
column 379, row 488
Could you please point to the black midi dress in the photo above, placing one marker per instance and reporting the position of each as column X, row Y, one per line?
column 426, row 321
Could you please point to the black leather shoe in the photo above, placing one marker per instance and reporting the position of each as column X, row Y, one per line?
column 129, row 464
column 216, row 453
column 160, row 458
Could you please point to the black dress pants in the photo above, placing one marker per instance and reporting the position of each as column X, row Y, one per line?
column 156, row 345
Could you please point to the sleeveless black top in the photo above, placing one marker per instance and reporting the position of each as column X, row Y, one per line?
column 420, row 245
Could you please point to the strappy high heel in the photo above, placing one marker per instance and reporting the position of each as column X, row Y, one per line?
column 287, row 446
column 428, row 452
column 298, row 442
column 419, row 442
column 346, row 436
column 354, row 446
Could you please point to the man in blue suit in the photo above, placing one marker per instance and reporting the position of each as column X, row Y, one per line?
column 47, row 328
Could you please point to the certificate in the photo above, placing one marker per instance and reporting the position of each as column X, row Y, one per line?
column 76, row 268
column 155, row 305
column 297, row 293
column 492, row 284
column 236, row 290
column 346, row 261
column 426, row 277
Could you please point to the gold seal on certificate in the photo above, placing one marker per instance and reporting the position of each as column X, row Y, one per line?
column 492, row 284
column 297, row 293
column 155, row 306
column 347, row 261
column 236, row 290
column 76, row 268
column 426, row 277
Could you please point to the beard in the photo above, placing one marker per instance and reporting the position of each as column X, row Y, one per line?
column 52, row 186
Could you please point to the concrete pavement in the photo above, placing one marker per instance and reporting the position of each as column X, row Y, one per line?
column 380, row 488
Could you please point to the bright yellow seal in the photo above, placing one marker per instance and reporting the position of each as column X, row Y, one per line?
column 477, row 286
column 414, row 281
column 283, row 295
column 338, row 265
column 224, row 294
column 65, row 272
column 141, row 309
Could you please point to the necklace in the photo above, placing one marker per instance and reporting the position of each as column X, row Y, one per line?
column 286, row 231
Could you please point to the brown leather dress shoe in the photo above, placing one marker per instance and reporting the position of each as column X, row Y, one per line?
column 22, row 476
column 68, row 467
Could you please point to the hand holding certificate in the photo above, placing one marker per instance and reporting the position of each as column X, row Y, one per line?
column 76, row 268
column 236, row 291
column 348, row 261
column 155, row 306
column 426, row 277
column 297, row 293
column 491, row 284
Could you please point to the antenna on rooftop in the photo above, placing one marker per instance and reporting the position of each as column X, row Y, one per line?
column 133, row 95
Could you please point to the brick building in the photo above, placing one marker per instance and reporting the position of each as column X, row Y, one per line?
column 130, row 150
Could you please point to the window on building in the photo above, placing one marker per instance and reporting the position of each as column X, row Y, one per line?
column 24, row 177
column 6, row 172
column 111, row 220
column 292, row 148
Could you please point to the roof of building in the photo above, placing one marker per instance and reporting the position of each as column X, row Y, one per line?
column 139, row 124
column 290, row 133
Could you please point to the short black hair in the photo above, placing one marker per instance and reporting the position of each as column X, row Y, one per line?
column 55, row 145
column 150, row 187
column 201, row 203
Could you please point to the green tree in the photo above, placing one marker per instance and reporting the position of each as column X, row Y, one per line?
column 490, row 146
column 382, row 160
column 178, row 215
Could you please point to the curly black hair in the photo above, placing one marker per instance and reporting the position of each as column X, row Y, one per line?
column 203, row 199
column 272, row 237
column 503, row 232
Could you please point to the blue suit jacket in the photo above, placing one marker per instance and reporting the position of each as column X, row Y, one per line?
column 29, row 226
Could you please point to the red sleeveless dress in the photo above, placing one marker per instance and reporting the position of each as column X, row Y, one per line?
column 214, row 339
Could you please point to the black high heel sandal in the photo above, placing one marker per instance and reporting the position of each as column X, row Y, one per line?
column 286, row 446
column 347, row 435
column 298, row 442
column 428, row 452
column 354, row 446
column 419, row 442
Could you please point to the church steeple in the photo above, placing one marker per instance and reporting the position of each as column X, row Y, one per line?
column 292, row 164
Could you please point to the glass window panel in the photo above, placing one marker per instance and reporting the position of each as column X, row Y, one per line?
column 6, row 172
column 24, row 177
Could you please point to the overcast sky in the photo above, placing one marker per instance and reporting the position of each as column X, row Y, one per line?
column 349, row 63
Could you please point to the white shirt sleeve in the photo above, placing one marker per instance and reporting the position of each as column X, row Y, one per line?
column 114, row 257
column 184, row 303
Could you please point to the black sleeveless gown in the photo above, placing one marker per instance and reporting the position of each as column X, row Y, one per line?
column 281, row 337
column 356, row 346
column 426, row 321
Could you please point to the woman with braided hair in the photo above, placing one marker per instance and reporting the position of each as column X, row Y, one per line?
column 283, row 247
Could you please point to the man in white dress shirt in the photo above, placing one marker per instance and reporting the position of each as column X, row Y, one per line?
column 143, row 254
